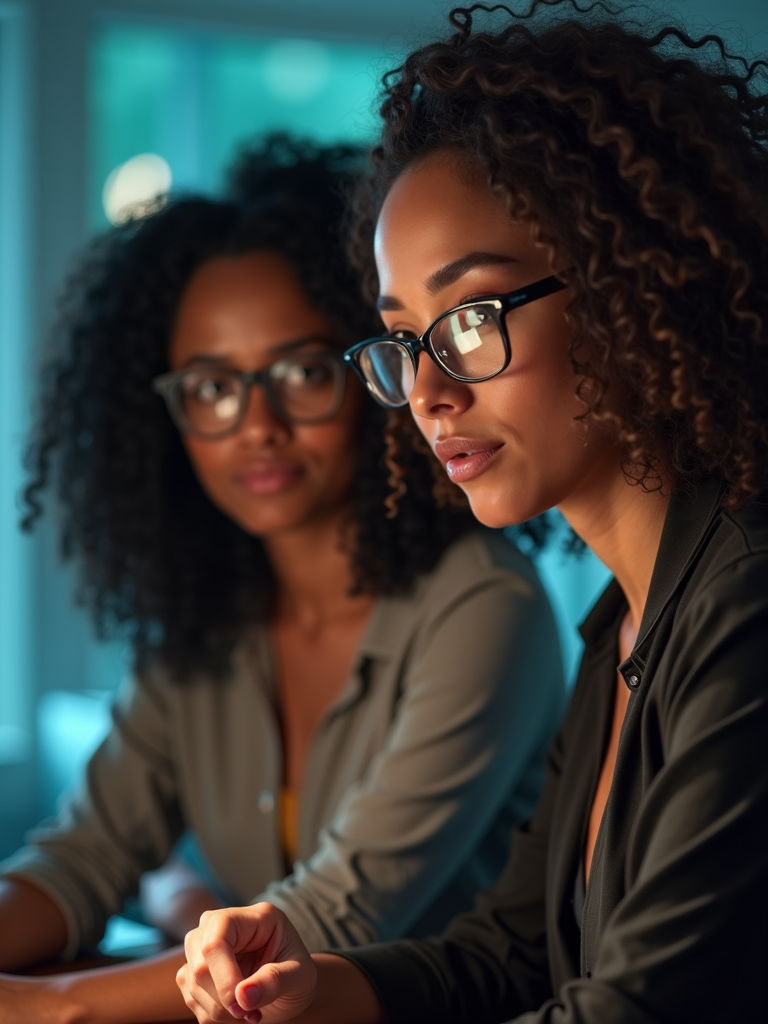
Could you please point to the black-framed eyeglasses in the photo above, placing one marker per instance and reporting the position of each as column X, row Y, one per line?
column 211, row 401
column 469, row 342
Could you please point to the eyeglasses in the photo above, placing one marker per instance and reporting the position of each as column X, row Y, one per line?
column 469, row 342
column 211, row 401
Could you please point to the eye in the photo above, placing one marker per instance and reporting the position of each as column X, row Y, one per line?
column 206, row 390
column 403, row 335
column 476, row 316
column 302, row 373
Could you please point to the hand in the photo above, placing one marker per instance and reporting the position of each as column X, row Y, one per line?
column 246, row 963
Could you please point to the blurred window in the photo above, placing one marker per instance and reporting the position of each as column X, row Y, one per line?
column 169, row 107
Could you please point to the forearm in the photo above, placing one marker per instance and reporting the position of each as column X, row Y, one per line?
column 132, row 993
column 344, row 995
column 32, row 928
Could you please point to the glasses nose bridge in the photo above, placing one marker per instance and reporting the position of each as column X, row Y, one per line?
column 257, row 379
column 416, row 346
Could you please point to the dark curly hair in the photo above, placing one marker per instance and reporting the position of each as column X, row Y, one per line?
column 159, row 563
column 639, row 157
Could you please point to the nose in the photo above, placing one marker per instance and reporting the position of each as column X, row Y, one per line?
column 261, row 424
column 435, row 394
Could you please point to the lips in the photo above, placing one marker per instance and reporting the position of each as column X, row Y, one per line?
column 269, row 477
column 465, row 457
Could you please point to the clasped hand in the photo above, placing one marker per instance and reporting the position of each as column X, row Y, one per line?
column 246, row 963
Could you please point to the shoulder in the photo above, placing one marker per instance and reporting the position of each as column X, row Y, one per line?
column 479, row 560
column 742, row 535
column 481, row 586
column 733, row 566
column 715, row 647
column 484, row 593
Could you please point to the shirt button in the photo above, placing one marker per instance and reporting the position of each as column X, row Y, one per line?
column 634, row 682
column 266, row 802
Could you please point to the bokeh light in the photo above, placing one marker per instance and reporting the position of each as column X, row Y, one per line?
column 136, row 188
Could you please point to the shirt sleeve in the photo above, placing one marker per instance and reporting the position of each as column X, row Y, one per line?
column 687, row 941
column 490, row 963
column 481, row 696
column 122, row 821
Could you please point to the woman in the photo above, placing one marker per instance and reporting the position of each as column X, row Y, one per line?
column 288, row 631
column 572, row 253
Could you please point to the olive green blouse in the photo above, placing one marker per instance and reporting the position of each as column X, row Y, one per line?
column 414, row 778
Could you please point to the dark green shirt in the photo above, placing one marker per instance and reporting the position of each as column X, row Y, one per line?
column 674, row 923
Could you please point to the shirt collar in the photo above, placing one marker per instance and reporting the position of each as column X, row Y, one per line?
column 689, row 519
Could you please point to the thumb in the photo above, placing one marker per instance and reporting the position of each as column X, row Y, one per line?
column 291, row 983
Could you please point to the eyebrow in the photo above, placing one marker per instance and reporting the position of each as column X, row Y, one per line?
column 449, row 274
column 310, row 339
column 283, row 346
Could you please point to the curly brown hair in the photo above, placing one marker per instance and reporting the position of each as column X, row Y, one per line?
column 639, row 158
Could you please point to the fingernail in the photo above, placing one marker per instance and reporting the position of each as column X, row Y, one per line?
column 254, row 1017
column 250, row 997
column 235, row 1010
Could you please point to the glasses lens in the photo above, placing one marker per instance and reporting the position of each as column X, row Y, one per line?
column 307, row 386
column 468, row 342
column 210, row 401
column 388, row 371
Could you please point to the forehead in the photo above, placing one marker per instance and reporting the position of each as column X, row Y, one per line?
column 254, row 300
column 240, row 280
column 437, row 212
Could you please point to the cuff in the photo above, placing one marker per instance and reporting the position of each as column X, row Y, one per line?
column 401, row 977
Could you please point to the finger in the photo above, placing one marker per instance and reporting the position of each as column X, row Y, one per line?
column 206, row 1008
column 198, row 975
column 220, row 940
column 196, row 979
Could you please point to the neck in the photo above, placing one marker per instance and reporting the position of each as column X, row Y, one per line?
column 622, row 523
column 312, row 573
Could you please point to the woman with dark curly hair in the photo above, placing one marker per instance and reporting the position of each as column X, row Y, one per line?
column 570, row 226
column 320, row 685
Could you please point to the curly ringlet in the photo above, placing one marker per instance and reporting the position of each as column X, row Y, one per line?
column 159, row 563
column 639, row 158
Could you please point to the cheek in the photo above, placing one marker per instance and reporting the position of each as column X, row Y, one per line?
column 330, row 448
column 536, row 396
column 210, row 459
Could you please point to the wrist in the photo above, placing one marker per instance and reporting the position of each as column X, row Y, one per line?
column 60, row 993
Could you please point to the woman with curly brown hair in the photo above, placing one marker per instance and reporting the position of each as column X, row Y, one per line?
column 570, row 226
column 322, row 688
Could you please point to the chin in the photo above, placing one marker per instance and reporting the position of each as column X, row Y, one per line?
column 499, row 510
column 264, row 525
